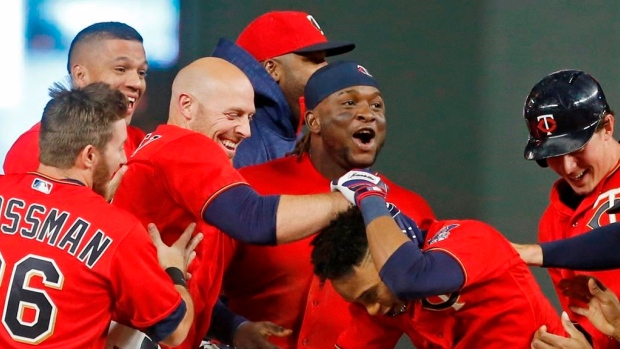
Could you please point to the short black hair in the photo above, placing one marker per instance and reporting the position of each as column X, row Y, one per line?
column 103, row 30
column 341, row 246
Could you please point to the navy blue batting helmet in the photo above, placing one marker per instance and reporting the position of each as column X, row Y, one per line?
column 562, row 113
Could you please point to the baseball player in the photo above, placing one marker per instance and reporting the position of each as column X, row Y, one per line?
column 69, row 261
column 278, row 51
column 182, row 173
column 109, row 52
column 459, row 284
column 571, row 131
column 276, row 283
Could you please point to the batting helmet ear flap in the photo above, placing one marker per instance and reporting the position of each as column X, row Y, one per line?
column 542, row 163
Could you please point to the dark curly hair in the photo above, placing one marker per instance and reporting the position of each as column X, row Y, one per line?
column 340, row 246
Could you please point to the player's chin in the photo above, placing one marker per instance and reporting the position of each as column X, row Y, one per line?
column 363, row 160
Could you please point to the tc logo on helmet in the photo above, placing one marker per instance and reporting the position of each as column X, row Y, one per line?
column 546, row 123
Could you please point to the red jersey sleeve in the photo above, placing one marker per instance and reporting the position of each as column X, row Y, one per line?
column 195, row 170
column 478, row 247
column 134, row 270
column 23, row 156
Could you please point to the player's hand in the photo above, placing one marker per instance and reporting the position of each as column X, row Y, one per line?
column 253, row 335
column 530, row 253
column 603, row 309
column 181, row 253
column 407, row 225
column 356, row 185
column 545, row 340
column 115, row 182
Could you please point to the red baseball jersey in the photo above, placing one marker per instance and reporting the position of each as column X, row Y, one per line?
column 499, row 306
column 276, row 283
column 561, row 221
column 173, row 175
column 68, row 261
column 23, row 156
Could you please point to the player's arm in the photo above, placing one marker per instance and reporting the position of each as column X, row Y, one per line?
column 252, row 218
column 595, row 250
column 224, row 322
column 175, row 260
column 407, row 271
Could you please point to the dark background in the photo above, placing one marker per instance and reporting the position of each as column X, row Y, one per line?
column 454, row 76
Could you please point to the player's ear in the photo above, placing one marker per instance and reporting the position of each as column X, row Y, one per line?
column 312, row 122
column 86, row 158
column 273, row 68
column 185, row 104
column 610, row 122
column 79, row 75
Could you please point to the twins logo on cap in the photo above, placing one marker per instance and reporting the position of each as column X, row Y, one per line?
column 315, row 23
column 363, row 70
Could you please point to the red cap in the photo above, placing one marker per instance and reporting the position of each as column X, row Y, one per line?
column 280, row 32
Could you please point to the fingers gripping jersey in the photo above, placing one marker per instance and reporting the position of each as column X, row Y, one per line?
column 561, row 221
column 68, row 261
column 172, row 177
column 499, row 306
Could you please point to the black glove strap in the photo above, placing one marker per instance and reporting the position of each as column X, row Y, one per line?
column 177, row 276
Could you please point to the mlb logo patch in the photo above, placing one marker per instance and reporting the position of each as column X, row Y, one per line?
column 42, row 186
column 442, row 234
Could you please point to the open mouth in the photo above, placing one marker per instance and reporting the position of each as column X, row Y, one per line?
column 579, row 176
column 229, row 145
column 365, row 135
column 131, row 103
column 398, row 311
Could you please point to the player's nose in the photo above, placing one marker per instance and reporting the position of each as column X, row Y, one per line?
column 373, row 308
column 569, row 163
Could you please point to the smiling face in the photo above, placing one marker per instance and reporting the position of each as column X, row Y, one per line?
column 364, row 286
column 584, row 169
column 226, row 117
column 348, row 130
column 215, row 98
column 120, row 63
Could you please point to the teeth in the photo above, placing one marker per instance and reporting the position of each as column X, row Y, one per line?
column 131, row 100
column 229, row 144
column 579, row 176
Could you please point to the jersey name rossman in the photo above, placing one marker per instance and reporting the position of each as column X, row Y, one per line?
column 36, row 222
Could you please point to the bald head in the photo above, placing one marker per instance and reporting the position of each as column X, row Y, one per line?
column 213, row 97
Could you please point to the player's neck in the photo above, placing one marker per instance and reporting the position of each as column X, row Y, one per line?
column 73, row 174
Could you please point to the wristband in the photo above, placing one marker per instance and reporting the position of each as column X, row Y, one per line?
column 177, row 276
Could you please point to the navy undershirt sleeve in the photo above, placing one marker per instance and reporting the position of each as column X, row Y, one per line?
column 596, row 250
column 410, row 273
column 224, row 322
column 244, row 215
column 165, row 327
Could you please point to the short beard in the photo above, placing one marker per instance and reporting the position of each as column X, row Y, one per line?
column 101, row 178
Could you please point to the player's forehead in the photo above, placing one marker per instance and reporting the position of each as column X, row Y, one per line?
column 101, row 51
column 119, row 132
